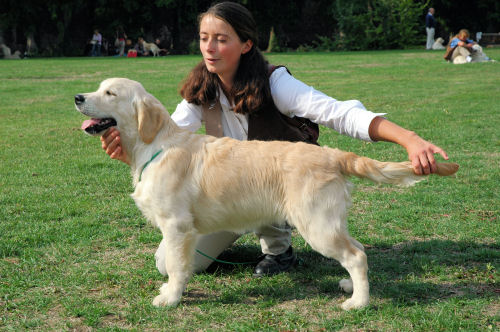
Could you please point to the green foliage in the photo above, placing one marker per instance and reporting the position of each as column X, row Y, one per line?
column 324, row 44
column 63, row 28
column 194, row 47
column 382, row 24
column 273, row 44
column 76, row 254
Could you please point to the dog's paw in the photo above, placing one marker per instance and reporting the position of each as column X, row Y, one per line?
column 163, row 300
column 166, row 298
column 346, row 285
column 354, row 304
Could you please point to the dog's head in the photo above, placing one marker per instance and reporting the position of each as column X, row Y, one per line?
column 476, row 47
column 440, row 40
column 122, row 103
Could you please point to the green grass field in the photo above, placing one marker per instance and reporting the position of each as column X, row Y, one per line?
column 76, row 254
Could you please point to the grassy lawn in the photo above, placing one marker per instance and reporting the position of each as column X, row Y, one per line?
column 76, row 254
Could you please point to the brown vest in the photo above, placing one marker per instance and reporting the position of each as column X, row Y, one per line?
column 266, row 124
column 449, row 52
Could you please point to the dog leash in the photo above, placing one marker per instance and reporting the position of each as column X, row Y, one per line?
column 198, row 251
column 146, row 164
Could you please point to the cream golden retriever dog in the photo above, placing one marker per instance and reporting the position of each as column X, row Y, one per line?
column 188, row 184
column 151, row 47
column 438, row 44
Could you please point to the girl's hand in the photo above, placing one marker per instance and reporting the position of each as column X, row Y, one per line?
column 421, row 154
column 111, row 143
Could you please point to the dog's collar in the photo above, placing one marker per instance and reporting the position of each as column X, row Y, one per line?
column 146, row 164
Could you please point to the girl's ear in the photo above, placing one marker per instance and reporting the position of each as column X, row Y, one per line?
column 247, row 46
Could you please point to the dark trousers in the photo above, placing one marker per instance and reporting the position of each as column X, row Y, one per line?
column 96, row 50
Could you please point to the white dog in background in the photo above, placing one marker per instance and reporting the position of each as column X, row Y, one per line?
column 151, row 47
column 478, row 54
column 438, row 44
column 7, row 53
column 188, row 184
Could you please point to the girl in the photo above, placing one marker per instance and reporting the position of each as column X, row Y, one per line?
column 462, row 49
column 234, row 72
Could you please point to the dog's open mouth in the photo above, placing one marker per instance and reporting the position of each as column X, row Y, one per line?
column 96, row 126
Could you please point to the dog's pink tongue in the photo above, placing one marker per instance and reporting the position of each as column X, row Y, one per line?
column 89, row 123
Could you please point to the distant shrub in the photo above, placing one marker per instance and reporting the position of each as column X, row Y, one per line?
column 194, row 47
column 381, row 24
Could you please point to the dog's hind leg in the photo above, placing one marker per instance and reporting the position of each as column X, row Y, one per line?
column 325, row 229
column 346, row 284
column 178, row 252
column 352, row 258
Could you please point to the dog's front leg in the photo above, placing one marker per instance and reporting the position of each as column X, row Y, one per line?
column 161, row 265
column 178, row 252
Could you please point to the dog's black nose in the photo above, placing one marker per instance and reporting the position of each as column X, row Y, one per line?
column 79, row 99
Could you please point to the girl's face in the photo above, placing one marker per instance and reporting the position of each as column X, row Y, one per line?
column 221, row 48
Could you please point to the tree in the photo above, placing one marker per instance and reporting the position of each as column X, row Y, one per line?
column 382, row 24
column 63, row 27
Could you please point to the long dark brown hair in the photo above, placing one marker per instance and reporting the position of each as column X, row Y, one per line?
column 250, row 90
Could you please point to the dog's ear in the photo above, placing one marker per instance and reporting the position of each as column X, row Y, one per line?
column 149, row 118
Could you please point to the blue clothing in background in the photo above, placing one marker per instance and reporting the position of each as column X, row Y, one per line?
column 454, row 42
column 429, row 21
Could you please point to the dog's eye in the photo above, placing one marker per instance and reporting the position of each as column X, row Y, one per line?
column 109, row 93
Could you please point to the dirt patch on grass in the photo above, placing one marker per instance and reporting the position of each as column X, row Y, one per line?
column 56, row 78
column 492, row 311
column 115, row 321
column 426, row 55
column 39, row 100
column 56, row 320
column 12, row 260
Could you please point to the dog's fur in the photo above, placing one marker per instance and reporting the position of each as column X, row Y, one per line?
column 200, row 184
column 7, row 53
column 438, row 44
column 151, row 47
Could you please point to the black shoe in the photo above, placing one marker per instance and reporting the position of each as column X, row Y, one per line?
column 274, row 264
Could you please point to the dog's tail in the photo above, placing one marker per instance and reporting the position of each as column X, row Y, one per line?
column 388, row 172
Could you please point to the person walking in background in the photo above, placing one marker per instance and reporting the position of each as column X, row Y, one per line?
column 96, row 43
column 430, row 28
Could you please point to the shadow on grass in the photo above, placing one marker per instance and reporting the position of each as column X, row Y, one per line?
column 408, row 273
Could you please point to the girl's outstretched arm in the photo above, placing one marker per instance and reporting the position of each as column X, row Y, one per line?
column 420, row 152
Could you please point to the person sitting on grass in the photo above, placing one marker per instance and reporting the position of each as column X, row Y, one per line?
column 462, row 50
column 139, row 48
column 234, row 72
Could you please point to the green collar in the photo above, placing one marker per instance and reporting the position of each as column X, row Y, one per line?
column 146, row 164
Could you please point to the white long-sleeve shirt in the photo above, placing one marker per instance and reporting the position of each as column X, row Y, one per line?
column 292, row 98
